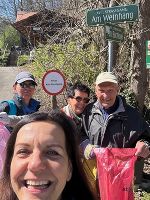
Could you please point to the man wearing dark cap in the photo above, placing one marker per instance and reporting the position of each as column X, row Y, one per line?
column 111, row 122
column 22, row 103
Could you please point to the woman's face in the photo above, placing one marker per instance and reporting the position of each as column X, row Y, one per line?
column 40, row 165
column 78, row 102
column 26, row 91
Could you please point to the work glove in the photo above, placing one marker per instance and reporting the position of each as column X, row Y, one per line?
column 88, row 149
column 4, row 118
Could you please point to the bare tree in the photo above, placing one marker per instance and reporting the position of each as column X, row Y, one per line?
column 141, row 33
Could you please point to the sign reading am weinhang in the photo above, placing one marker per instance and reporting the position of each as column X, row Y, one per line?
column 117, row 14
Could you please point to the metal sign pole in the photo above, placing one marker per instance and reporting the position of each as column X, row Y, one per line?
column 113, row 14
column 110, row 50
column 110, row 56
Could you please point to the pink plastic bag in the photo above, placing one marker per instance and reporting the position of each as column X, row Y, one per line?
column 4, row 136
column 115, row 172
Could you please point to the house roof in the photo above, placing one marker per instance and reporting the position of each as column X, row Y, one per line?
column 21, row 15
column 35, row 26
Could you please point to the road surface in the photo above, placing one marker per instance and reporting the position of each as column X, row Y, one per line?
column 7, row 77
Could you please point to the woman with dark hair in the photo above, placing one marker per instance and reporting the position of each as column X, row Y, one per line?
column 43, row 162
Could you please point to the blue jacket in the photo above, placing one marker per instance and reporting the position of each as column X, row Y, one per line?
column 17, row 107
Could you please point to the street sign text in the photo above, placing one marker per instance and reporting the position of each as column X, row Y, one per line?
column 117, row 14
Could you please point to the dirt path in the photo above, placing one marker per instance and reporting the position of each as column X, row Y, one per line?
column 7, row 77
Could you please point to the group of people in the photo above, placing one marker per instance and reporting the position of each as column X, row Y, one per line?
column 45, row 151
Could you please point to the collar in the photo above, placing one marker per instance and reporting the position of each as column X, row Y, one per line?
column 97, row 108
column 69, row 112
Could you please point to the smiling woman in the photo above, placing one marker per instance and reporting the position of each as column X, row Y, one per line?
column 43, row 161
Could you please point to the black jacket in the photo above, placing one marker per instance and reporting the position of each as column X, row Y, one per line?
column 122, row 128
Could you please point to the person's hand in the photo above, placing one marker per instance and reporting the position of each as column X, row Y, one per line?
column 4, row 118
column 88, row 149
column 142, row 149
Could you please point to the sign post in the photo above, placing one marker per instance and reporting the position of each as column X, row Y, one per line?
column 53, row 83
column 148, row 54
column 114, row 33
column 116, row 14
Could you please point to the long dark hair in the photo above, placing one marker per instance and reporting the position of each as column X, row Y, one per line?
column 77, row 187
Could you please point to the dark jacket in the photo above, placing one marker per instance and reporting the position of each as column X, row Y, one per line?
column 76, row 119
column 122, row 128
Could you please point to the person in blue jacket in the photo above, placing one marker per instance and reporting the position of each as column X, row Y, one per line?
column 23, row 102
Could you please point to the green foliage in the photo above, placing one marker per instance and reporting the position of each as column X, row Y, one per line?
column 22, row 59
column 4, row 57
column 75, row 62
column 9, row 37
column 146, row 196
column 130, row 97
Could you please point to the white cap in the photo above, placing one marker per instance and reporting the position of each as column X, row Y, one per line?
column 106, row 77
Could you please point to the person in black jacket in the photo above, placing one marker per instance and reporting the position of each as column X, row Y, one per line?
column 111, row 122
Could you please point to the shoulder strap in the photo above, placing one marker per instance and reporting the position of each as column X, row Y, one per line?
column 12, row 106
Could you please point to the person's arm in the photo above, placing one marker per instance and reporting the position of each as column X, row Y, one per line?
column 4, row 107
column 143, row 143
column 10, row 120
column 87, row 148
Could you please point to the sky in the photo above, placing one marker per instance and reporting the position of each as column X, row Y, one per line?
column 7, row 10
column 7, row 7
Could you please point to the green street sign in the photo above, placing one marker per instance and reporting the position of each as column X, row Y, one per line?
column 116, row 14
column 148, row 54
column 114, row 33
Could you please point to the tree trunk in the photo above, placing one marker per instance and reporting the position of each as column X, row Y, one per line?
column 139, row 73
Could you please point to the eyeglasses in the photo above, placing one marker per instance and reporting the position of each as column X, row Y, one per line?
column 79, row 99
column 27, row 85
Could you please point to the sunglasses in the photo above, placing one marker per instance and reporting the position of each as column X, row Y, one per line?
column 79, row 99
column 27, row 85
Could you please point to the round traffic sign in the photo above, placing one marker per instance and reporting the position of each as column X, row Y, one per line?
column 53, row 82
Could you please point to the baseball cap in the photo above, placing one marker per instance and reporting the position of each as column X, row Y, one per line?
column 106, row 77
column 24, row 76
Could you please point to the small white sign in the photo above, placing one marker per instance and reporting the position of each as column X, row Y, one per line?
column 53, row 82
column 54, row 4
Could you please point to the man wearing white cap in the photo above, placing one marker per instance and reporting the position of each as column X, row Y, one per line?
column 111, row 122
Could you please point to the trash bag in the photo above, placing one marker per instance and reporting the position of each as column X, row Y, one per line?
column 4, row 136
column 115, row 168
column 90, row 169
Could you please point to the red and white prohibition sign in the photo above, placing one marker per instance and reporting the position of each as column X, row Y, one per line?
column 53, row 82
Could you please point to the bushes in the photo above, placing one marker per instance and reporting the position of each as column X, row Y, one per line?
column 76, row 64
column 22, row 59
